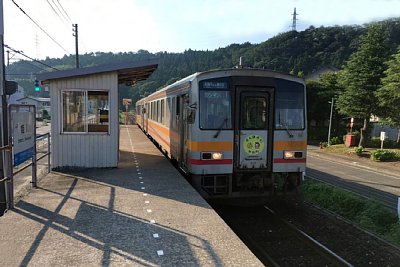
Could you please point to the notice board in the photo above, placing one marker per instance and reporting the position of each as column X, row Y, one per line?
column 22, row 127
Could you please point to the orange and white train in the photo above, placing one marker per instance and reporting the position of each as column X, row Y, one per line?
column 234, row 132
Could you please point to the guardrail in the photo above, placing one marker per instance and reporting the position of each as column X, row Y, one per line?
column 8, row 180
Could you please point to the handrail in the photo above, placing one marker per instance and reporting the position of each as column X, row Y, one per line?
column 6, row 148
column 9, row 178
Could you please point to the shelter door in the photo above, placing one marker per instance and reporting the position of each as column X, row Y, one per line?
column 253, row 128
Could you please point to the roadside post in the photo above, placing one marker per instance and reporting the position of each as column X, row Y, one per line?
column 383, row 137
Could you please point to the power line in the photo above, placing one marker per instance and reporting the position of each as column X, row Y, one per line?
column 65, row 12
column 60, row 12
column 40, row 27
column 55, row 12
column 21, row 53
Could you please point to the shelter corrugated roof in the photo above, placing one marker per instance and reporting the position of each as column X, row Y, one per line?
column 128, row 72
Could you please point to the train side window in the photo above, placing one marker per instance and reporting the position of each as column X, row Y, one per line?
column 168, row 112
column 162, row 112
column 158, row 111
column 173, row 113
column 153, row 110
column 178, row 105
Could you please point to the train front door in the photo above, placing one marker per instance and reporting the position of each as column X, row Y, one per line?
column 253, row 128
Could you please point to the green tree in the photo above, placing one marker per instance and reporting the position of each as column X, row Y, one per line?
column 319, row 94
column 389, row 94
column 361, row 77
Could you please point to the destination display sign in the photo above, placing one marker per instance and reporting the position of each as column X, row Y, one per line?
column 215, row 85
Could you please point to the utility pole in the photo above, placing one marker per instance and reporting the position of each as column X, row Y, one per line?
column 330, row 122
column 294, row 20
column 4, row 190
column 75, row 33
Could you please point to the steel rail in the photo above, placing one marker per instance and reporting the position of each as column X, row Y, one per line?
column 312, row 243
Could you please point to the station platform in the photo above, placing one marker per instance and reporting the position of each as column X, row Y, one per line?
column 143, row 213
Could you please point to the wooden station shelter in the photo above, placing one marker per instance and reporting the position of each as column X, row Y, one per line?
column 84, row 112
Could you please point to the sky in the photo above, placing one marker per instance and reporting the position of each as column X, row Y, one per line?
column 170, row 25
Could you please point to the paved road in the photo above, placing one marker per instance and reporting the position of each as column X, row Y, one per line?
column 352, row 176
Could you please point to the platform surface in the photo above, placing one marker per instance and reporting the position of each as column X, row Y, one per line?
column 143, row 213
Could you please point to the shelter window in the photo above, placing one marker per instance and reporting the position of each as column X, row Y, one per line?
column 85, row 111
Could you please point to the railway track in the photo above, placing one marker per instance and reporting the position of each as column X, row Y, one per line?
column 275, row 241
column 317, row 249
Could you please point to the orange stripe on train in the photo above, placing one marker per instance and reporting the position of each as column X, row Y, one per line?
column 210, row 146
column 290, row 145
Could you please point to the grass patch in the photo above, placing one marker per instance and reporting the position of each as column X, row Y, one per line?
column 367, row 214
column 366, row 153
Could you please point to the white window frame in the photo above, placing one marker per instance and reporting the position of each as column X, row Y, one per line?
column 85, row 114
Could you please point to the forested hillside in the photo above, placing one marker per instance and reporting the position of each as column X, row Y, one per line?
column 295, row 52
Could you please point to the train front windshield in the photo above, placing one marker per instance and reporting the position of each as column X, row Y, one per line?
column 289, row 109
column 215, row 106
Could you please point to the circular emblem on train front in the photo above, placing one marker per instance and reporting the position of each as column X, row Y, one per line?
column 253, row 144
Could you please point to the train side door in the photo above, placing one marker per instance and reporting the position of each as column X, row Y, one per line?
column 145, row 118
column 182, row 107
column 253, row 128
column 142, row 114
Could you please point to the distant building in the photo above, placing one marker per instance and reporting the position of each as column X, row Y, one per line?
column 41, row 103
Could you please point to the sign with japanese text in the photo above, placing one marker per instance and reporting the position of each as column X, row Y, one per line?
column 23, row 134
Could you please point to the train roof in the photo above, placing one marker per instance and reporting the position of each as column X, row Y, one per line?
column 231, row 72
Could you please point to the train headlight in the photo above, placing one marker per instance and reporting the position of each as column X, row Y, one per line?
column 217, row 155
column 288, row 155
column 292, row 154
column 211, row 155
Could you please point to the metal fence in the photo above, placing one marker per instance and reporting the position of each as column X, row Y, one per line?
column 8, row 161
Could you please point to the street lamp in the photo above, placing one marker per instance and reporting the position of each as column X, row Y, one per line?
column 330, row 122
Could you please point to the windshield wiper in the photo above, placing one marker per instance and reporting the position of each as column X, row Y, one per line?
column 220, row 127
column 284, row 125
column 287, row 130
